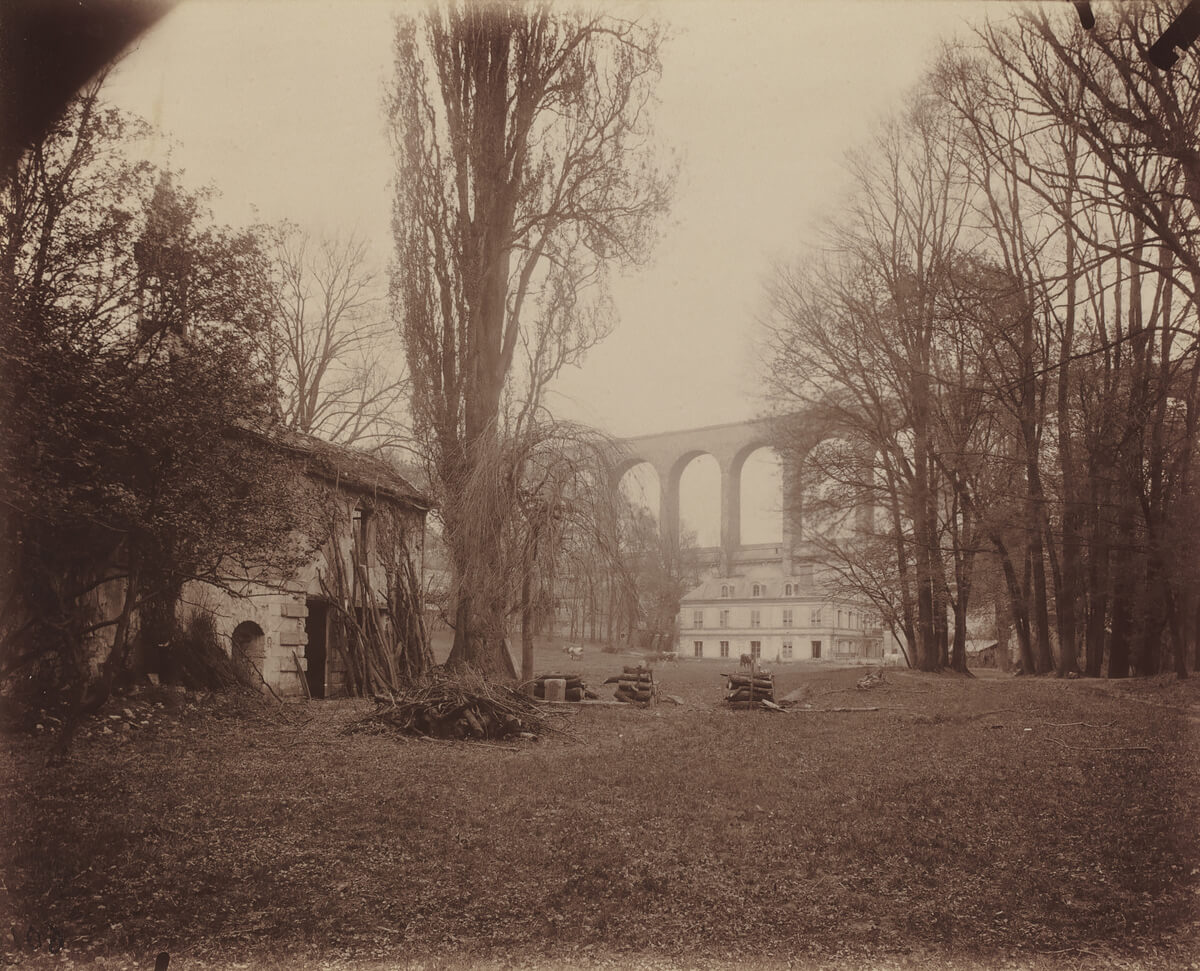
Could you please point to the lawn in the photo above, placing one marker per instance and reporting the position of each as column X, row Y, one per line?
column 988, row 822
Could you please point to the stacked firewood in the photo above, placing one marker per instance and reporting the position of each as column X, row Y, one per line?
column 746, row 690
column 635, row 685
column 576, row 689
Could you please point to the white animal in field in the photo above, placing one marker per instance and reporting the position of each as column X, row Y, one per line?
column 574, row 651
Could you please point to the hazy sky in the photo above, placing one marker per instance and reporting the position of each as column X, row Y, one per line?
column 279, row 105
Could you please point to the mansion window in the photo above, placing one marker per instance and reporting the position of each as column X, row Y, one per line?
column 697, row 618
column 724, row 589
column 755, row 618
column 756, row 590
column 724, row 618
column 724, row 648
column 787, row 650
column 816, row 648
column 787, row 618
column 814, row 617
column 756, row 649
column 787, row 590
column 698, row 648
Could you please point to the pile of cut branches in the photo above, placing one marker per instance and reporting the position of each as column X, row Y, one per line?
column 461, row 705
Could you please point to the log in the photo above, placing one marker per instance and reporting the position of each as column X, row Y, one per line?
column 474, row 723
column 744, row 695
column 758, row 689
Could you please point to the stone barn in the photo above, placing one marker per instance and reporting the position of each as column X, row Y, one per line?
column 366, row 514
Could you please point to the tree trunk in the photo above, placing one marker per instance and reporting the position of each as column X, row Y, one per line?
column 1003, row 636
column 1043, row 656
column 958, row 653
column 1178, row 637
column 526, row 628
column 1148, row 652
column 924, row 523
column 1018, row 607
column 1196, row 637
column 1097, row 582
column 1069, row 580
column 87, row 698
column 1124, row 593
column 486, row 653
column 156, row 632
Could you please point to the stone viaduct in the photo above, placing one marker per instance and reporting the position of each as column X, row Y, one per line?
column 669, row 454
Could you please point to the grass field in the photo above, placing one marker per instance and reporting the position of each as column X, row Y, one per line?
column 964, row 823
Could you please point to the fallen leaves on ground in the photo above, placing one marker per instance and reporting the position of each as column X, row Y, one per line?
column 984, row 821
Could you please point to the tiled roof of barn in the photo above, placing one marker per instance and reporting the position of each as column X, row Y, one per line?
column 345, row 466
column 354, row 469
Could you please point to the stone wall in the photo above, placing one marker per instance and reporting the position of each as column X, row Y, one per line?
column 278, row 613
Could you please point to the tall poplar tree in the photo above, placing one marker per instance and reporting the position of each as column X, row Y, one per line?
column 525, row 169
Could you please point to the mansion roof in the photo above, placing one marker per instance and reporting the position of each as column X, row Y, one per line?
column 742, row 588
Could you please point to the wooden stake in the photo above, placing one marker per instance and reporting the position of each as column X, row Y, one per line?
column 303, row 677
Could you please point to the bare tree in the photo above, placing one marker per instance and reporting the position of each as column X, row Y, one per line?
column 857, row 335
column 1087, row 155
column 331, row 346
column 525, row 168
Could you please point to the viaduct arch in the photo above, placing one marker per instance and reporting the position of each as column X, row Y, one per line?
column 669, row 453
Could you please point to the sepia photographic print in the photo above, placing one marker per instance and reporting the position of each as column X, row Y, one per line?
column 679, row 484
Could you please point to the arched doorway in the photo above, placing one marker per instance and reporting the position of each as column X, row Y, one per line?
column 250, row 650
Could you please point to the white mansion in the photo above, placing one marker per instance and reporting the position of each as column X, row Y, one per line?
column 775, row 619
